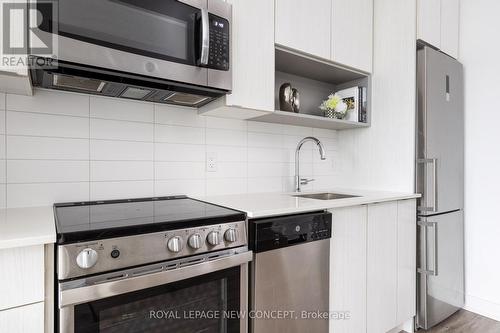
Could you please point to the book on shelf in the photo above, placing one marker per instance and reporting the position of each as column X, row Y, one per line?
column 351, row 97
column 363, row 114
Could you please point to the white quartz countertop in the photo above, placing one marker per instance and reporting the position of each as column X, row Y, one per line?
column 258, row 205
column 26, row 226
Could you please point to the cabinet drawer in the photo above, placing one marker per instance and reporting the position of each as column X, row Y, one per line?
column 24, row 319
column 22, row 278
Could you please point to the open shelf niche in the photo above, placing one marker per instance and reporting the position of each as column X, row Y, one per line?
column 315, row 79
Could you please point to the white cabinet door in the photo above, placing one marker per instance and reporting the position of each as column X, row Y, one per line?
column 407, row 244
column 253, row 55
column 352, row 33
column 382, row 266
column 348, row 268
column 24, row 319
column 304, row 26
column 22, row 277
column 429, row 22
column 450, row 13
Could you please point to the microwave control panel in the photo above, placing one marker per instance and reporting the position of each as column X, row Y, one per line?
column 218, row 57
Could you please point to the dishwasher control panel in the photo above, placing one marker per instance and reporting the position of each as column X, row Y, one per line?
column 278, row 232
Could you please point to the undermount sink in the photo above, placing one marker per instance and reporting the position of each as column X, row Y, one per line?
column 326, row 196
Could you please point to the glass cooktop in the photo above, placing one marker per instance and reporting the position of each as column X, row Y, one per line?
column 86, row 221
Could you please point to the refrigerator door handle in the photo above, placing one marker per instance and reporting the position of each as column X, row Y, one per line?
column 426, row 270
column 434, row 207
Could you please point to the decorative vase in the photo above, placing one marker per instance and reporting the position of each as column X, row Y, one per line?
column 286, row 97
column 295, row 100
column 331, row 113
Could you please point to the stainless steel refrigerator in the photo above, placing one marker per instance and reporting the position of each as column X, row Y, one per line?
column 440, row 180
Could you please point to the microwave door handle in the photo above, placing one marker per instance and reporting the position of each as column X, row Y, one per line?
column 205, row 38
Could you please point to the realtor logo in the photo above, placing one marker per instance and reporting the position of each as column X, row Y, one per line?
column 28, row 28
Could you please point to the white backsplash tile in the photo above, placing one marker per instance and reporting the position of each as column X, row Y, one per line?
column 265, row 140
column 179, row 170
column 32, row 147
column 225, row 137
column 175, row 115
column 50, row 101
column 229, row 170
column 267, row 184
column 121, row 170
column 120, row 130
column 72, row 147
column 271, row 128
column 226, row 123
column 47, row 171
column 3, row 171
column 121, row 189
column 324, row 133
column 2, row 101
column 267, row 169
column 38, row 124
column 180, row 186
column 119, row 109
column 228, row 153
column 3, row 196
column 121, row 150
column 179, row 134
column 3, row 151
column 179, row 152
column 45, row 194
column 258, row 154
column 2, row 121
column 218, row 186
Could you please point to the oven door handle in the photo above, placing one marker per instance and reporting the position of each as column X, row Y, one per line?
column 71, row 297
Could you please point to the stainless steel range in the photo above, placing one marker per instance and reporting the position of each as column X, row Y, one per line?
column 170, row 264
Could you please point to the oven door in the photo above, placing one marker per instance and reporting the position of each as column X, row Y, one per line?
column 209, row 297
column 161, row 39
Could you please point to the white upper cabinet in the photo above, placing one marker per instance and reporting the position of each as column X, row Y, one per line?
column 450, row 16
column 429, row 21
column 352, row 33
column 304, row 26
column 252, row 54
column 438, row 24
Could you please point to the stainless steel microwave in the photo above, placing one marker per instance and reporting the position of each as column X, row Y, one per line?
column 170, row 51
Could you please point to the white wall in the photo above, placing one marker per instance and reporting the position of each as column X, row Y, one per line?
column 58, row 146
column 480, row 55
column 382, row 156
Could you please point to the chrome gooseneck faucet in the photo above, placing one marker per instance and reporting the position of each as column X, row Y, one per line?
column 304, row 181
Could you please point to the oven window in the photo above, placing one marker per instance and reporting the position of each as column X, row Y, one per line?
column 160, row 29
column 204, row 304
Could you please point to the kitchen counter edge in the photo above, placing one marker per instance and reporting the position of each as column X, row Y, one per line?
column 26, row 226
column 259, row 205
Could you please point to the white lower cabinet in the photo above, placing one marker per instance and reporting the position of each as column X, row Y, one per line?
column 22, row 278
column 348, row 269
column 22, row 289
column 373, row 266
column 382, row 285
column 407, row 265
column 23, row 319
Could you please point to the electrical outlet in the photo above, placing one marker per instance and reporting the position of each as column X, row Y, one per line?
column 211, row 162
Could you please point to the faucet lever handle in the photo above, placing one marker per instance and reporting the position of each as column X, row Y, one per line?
column 305, row 181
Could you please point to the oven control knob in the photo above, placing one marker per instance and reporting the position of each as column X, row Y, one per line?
column 174, row 244
column 86, row 258
column 213, row 238
column 194, row 241
column 230, row 235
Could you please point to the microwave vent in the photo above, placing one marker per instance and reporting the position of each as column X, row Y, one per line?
column 186, row 99
column 77, row 83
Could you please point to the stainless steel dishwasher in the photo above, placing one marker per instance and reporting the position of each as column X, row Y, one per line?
column 289, row 276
